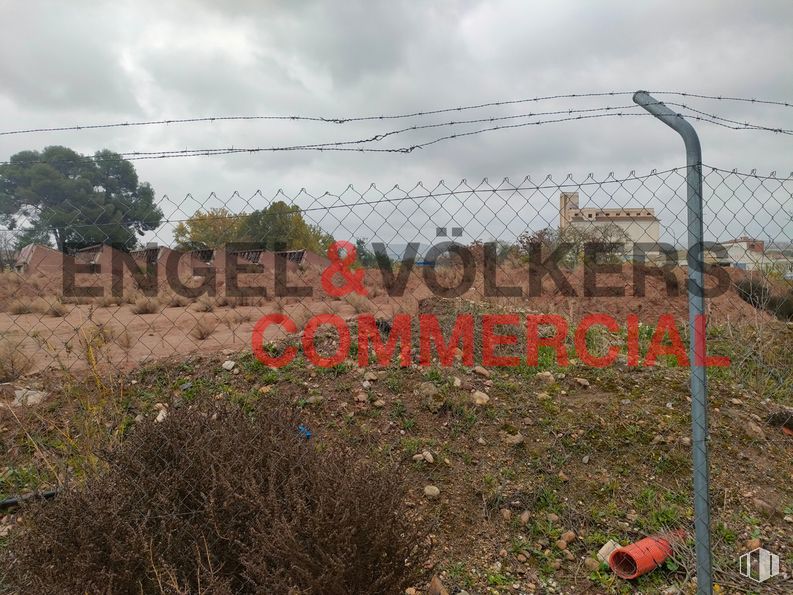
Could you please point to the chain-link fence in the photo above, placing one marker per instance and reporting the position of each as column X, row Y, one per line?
column 551, row 317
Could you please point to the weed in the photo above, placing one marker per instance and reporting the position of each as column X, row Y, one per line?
column 204, row 304
column 276, row 516
column 145, row 305
column 18, row 307
column 14, row 363
column 203, row 329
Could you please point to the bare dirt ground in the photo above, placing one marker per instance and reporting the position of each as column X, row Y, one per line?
column 583, row 454
column 57, row 337
column 603, row 454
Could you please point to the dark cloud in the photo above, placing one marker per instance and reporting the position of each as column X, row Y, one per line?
column 77, row 62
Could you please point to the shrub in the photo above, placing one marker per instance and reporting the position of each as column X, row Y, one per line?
column 359, row 302
column 145, row 305
column 174, row 300
column 51, row 307
column 214, row 500
column 754, row 292
column 203, row 329
column 108, row 301
column 204, row 304
column 781, row 306
column 20, row 307
column 13, row 361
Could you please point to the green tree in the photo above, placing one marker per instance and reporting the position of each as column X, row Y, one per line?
column 76, row 200
column 282, row 227
column 208, row 230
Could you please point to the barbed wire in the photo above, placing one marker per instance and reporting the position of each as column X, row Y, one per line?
column 324, row 119
column 724, row 98
column 346, row 119
column 354, row 145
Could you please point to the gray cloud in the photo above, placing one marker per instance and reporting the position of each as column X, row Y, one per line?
column 76, row 63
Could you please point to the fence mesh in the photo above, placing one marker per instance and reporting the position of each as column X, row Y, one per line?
column 102, row 301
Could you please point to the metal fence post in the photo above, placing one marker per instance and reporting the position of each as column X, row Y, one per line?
column 696, row 312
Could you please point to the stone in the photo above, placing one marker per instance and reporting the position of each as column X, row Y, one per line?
column 753, row 544
column 480, row 398
column 436, row 587
column 591, row 564
column 543, row 396
column 524, row 518
column 370, row 376
column 431, row 491
column 569, row 536
column 563, row 476
column 545, row 377
column 379, row 403
column 361, row 398
column 315, row 399
column 163, row 413
column 506, row 514
column 456, row 382
column 605, row 551
column 514, row 439
column 582, row 382
column 522, row 558
column 418, row 457
column 228, row 365
column 764, row 507
column 434, row 403
column 411, row 591
column 481, row 371
column 561, row 544
column 568, row 555
column 26, row 396
column 754, row 431
column 366, row 384
column 552, row 518
column 428, row 389
column 427, row 456
column 263, row 390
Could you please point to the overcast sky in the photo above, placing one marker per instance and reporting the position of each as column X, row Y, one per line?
column 81, row 62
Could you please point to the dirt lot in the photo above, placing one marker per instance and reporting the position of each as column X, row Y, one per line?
column 603, row 454
column 581, row 453
column 134, row 329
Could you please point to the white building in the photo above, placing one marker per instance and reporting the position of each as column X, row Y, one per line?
column 634, row 224
column 750, row 254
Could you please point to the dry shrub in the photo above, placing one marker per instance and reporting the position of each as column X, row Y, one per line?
column 359, row 302
column 203, row 329
column 216, row 500
column 237, row 317
column 108, row 301
column 145, row 305
column 204, row 304
column 125, row 340
column 14, row 363
column 51, row 307
column 20, row 307
column 174, row 300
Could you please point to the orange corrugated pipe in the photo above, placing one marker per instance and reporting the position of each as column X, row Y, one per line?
column 636, row 559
